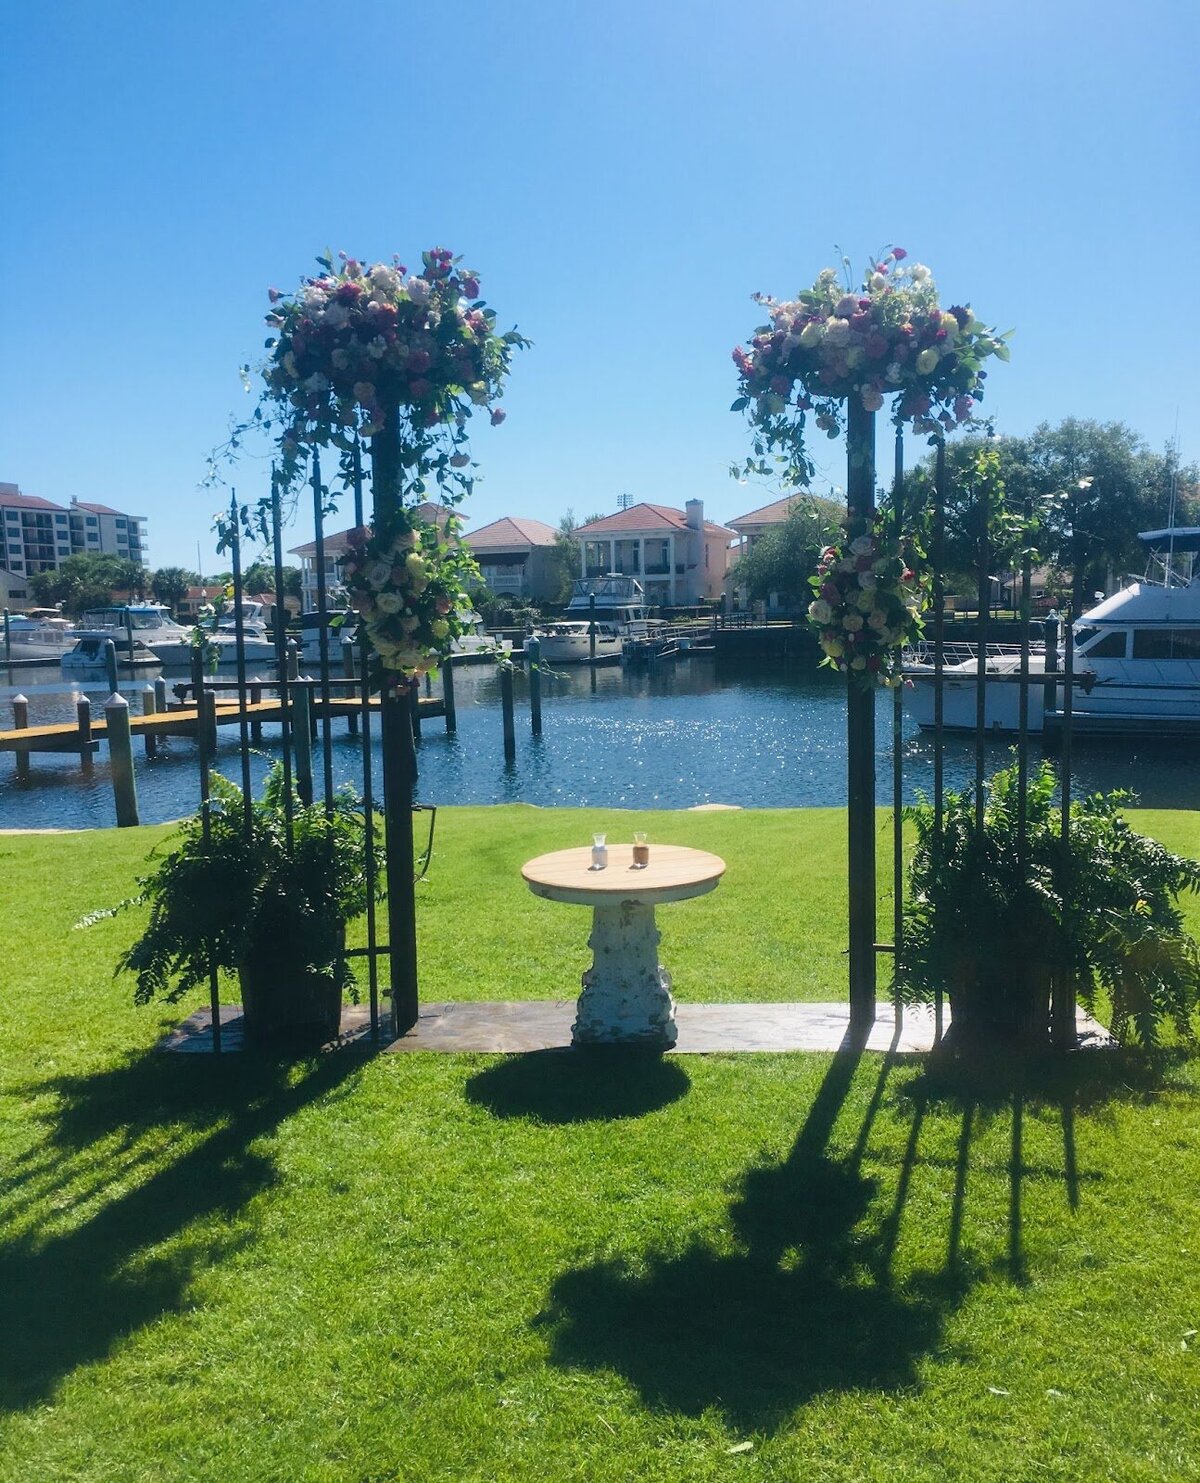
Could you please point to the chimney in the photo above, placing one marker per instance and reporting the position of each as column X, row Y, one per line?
column 695, row 514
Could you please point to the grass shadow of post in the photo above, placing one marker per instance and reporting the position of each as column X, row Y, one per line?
column 66, row 1298
column 795, row 1310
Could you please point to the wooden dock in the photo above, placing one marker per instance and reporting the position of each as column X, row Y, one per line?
column 184, row 720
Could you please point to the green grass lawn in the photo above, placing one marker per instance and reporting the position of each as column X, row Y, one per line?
column 783, row 1267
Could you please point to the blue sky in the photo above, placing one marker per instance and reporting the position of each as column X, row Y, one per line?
column 623, row 176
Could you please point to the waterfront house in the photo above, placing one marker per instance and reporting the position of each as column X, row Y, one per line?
column 516, row 558
column 337, row 543
column 679, row 557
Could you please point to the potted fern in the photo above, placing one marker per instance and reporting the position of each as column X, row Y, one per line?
column 997, row 916
column 270, row 902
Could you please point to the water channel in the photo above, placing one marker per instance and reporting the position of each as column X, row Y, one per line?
column 675, row 736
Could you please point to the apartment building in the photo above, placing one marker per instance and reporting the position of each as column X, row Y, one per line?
column 38, row 535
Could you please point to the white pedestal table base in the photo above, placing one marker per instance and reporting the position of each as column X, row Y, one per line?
column 626, row 995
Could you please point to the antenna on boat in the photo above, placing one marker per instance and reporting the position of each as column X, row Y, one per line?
column 1171, row 505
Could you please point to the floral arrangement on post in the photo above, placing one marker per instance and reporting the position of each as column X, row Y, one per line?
column 889, row 337
column 363, row 348
column 869, row 596
column 408, row 583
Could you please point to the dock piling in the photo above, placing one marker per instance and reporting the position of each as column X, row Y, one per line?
column 83, row 717
column 20, row 707
column 150, row 708
column 506, row 706
column 448, row 696
column 302, row 739
column 120, row 750
column 110, row 665
column 160, row 696
column 7, row 638
column 533, row 668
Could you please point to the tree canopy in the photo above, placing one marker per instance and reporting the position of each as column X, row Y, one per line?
column 782, row 559
column 1096, row 481
column 89, row 580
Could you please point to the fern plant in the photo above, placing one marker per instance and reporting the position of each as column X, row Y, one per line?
column 995, row 917
column 221, row 895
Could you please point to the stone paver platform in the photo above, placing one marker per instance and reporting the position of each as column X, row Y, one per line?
column 545, row 1024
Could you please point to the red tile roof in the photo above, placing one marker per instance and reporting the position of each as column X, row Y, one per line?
column 507, row 532
column 773, row 514
column 645, row 517
column 29, row 502
column 97, row 509
column 338, row 541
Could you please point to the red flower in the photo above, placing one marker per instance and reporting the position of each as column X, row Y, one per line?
column 899, row 254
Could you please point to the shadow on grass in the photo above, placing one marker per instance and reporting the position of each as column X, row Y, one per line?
column 1081, row 1081
column 575, row 1086
column 116, row 1261
column 806, row 1304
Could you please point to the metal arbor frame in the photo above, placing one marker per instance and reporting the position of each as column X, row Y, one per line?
column 860, row 721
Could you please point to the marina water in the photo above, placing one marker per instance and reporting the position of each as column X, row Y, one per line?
column 675, row 736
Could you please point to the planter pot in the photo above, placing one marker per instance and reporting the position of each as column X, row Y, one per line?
column 1000, row 1002
column 284, row 1001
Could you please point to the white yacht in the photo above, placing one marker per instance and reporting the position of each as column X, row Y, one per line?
column 151, row 625
column 1136, row 661
column 620, row 613
column 42, row 633
column 88, row 658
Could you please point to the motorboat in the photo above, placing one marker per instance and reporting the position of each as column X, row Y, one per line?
column 476, row 640
column 89, row 659
column 339, row 624
column 42, row 633
column 1136, row 662
column 615, row 603
column 152, row 625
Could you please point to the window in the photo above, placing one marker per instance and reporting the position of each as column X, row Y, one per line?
column 91, row 520
column 658, row 559
column 120, row 522
column 626, row 557
column 12, row 514
column 1111, row 646
column 1166, row 643
column 60, row 519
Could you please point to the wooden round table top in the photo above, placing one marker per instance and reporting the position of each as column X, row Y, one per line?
column 674, row 873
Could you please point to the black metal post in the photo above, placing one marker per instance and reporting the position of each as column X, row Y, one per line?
column 369, row 860
column 399, row 770
column 323, row 634
column 239, row 629
column 860, row 748
column 282, row 663
column 898, row 754
column 939, row 665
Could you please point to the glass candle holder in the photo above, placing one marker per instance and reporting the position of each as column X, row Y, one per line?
column 599, row 851
column 641, row 851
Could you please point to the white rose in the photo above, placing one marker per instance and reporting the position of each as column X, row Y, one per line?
column 388, row 602
column 377, row 574
column 418, row 290
column 837, row 331
column 878, row 282
column 820, row 611
column 852, row 622
column 862, row 545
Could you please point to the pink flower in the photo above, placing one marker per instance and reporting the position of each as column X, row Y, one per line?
column 899, row 254
column 274, row 295
column 470, row 288
column 498, row 416
column 872, row 399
